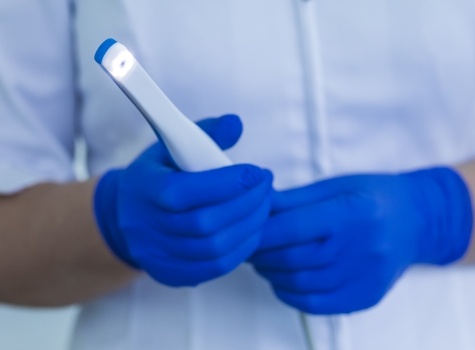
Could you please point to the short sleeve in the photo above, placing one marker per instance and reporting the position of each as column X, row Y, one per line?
column 37, row 94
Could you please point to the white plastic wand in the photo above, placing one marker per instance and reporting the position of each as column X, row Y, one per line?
column 190, row 147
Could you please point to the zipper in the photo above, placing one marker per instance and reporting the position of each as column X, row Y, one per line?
column 312, row 67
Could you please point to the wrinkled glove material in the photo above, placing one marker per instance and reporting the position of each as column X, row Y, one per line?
column 184, row 228
column 339, row 245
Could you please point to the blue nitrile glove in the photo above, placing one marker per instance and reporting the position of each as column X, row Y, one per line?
column 184, row 228
column 338, row 246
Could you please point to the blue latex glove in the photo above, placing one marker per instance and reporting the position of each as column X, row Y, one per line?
column 338, row 246
column 184, row 228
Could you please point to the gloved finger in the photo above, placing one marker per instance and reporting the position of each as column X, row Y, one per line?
column 316, row 221
column 184, row 191
column 156, row 154
column 177, row 273
column 305, row 224
column 225, row 131
column 219, row 244
column 318, row 280
column 346, row 299
column 320, row 191
column 311, row 255
column 208, row 220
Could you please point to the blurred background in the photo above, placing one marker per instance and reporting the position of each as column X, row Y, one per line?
column 35, row 329
column 24, row 328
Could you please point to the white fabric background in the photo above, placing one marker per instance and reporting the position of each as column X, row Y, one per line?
column 39, row 329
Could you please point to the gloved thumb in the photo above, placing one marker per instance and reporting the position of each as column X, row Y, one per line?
column 225, row 130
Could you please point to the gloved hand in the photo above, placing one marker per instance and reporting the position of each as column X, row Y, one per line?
column 338, row 246
column 184, row 228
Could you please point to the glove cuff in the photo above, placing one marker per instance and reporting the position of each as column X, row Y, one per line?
column 106, row 214
column 449, row 209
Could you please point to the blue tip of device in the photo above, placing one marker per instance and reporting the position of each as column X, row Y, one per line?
column 102, row 50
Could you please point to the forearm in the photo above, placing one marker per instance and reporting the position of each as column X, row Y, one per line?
column 467, row 171
column 51, row 252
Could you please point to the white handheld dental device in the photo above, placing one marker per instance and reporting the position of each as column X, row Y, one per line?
column 190, row 147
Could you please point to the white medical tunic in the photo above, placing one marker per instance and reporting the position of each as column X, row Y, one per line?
column 324, row 87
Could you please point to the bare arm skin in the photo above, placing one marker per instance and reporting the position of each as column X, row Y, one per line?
column 51, row 252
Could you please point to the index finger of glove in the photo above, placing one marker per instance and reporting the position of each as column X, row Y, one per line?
column 317, row 221
column 225, row 131
column 317, row 192
column 298, row 257
column 184, row 191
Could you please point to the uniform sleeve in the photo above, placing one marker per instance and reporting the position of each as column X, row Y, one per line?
column 37, row 94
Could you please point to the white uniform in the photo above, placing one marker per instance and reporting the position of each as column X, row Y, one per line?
column 324, row 87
